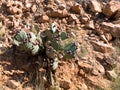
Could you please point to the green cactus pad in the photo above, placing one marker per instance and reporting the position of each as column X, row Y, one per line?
column 69, row 50
column 63, row 36
column 56, row 45
column 35, row 49
column 20, row 37
column 29, row 45
column 16, row 42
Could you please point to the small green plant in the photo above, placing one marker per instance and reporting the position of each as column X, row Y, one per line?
column 52, row 41
column 28, row 42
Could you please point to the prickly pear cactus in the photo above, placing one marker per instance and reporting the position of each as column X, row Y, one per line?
column 69, row 50
column 58, row 42
column 20, row 37
column 52, row 41
column 28, row 42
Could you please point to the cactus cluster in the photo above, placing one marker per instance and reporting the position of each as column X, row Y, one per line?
column 28, row 42
column 53, row 41
column 57, row 42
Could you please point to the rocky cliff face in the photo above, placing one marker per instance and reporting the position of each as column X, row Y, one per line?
column 95, row 26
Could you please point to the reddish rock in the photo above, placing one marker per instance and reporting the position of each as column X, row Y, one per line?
column 6, row 88
column 81, row 72
column 44, row 18
column 101, row 47
column 98, row 69
column 70, row 4
column 116, row 21
column 95, row 6
column 64, row 20
column 12, row 10
column 72, row 18
column 102, row 37
column 13, row 84
column 99, row 55
column 111, row 75
column 113, row 29
column 9, row 24
column 10, row 3
column 90, row 24
column 62, row 6
column 77, row 8
column 99, row 81
column 117, row 15
column 84, row 65
column 16, row 23
column 108, row 36
column 58, row 13
column 111, row 8
column 2, row 17
column 110, row 63
column 85, row 18
column 14, row 7
column 65, row 84
column 59, row 1
column 33, row 8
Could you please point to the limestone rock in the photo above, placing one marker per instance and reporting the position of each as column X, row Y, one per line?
column 13, row 84
column 111, row 8
column 101, row 47
column 114, row 29
column 111, row 75
column 95, row 6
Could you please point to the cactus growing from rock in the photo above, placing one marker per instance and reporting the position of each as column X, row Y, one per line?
column 52, row 41
column 28, row 42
